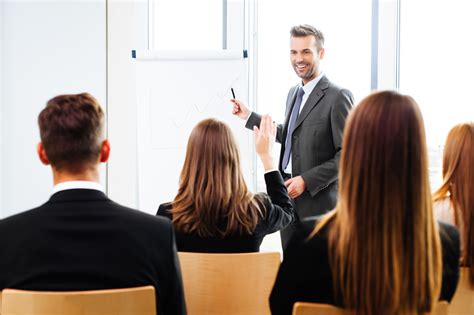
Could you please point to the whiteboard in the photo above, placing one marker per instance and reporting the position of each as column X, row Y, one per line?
column 176, row 90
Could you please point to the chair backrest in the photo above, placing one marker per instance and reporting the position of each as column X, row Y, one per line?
column 228, row 283
column 129, row 301
column 304, row 308
column 463, row 300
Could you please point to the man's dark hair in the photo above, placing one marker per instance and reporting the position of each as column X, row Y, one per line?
column 307, row 30
column 71, row 129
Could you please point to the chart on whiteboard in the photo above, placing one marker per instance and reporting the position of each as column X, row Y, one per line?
column 174, row 110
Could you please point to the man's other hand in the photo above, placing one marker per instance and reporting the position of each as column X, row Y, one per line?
column 295, row 186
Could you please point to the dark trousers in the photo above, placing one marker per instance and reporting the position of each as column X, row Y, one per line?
column 286, row 233
column 323, row 202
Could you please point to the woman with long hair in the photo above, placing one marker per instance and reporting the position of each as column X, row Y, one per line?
column 454, row 200
column 214, row 211
column 380, row 250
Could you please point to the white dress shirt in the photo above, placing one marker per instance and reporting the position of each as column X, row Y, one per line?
column 77, row 184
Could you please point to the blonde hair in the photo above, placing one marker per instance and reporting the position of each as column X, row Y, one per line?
column 384, row 246
column 458, row 184
column 213, row 199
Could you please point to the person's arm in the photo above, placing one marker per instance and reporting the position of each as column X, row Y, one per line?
column 174, row 302
column 280, row 210
column 287, row 285
column 304, row 274
column 252, row 118
column 255, row 119
column 294, row 280
column 321, row 176
column 450, row 247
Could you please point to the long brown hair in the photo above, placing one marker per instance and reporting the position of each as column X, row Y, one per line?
column 213, row 199
column 384, row 246
column 458, row 184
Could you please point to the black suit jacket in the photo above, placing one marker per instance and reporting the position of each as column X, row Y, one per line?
column 279, row 213
column 305, row 273
column 316, row 144
column 81, row 240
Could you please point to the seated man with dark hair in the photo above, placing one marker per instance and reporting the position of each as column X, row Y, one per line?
column 80, row 239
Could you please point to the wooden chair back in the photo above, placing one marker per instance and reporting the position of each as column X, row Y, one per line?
column 228, row 283
column 129, row 301
column 304, row 308
column 463, row 300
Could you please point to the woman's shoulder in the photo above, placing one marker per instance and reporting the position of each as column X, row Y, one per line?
column 443, row 210
column 448, row 233
column 450, row 243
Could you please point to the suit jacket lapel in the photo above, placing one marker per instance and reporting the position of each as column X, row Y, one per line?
column 313, row 99
column 289, row 108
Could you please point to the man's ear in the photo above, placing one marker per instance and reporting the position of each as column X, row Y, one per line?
column 321, row 53
column 105, row 151
column 42, row 154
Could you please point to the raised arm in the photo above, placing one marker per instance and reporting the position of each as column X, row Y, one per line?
column 280, row 209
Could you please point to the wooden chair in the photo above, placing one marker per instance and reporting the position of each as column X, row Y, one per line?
column 129, row 301
column 228, row 283
column 304, row 308
column 463, row 300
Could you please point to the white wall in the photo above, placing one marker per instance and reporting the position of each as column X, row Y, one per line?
column 1, row 107
column 49, row 48
column 127, row 24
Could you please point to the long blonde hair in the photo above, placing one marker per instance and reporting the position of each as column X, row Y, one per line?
column 384, row 246
column 458, row 184
column 213, row 199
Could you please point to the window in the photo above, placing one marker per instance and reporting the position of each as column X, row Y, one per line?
column 346, row 26
column 436, row 66
column 187, row 24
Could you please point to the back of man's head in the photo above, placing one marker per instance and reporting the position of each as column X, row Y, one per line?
column 72, row 131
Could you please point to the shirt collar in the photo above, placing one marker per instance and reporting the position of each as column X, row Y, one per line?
column 78, row 184
column 308, row 87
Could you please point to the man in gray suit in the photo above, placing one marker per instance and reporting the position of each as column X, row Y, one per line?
column 311, row 136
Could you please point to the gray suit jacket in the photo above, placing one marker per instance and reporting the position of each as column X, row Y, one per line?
column 316, row 144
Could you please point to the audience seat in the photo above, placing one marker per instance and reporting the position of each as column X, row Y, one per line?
column 129, row 301
column 304, row 308
column 228, row 283
column 463, row 300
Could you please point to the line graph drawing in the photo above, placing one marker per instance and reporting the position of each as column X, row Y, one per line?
column 171, row 123
column 222, row 96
